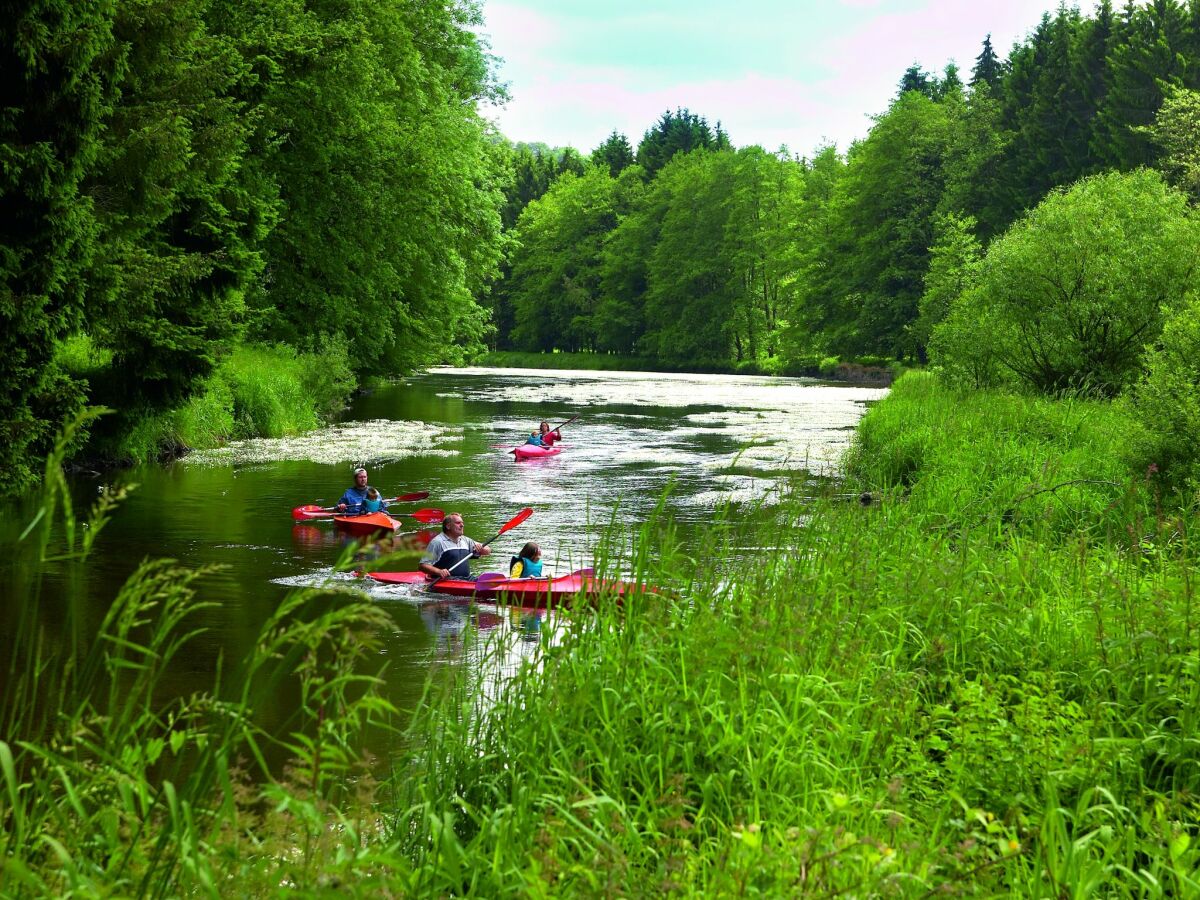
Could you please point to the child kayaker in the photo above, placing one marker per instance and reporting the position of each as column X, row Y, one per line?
column 527, row 563
column 536, row 439
column 373, row 503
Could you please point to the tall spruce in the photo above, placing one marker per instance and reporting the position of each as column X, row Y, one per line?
column 181, row 222
column 1089, row 80
column 1146, row 58
column 679, row 132
column 58, row 64
column 988, row 68
column 615, row 153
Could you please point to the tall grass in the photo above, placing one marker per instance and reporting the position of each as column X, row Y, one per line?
column 257, row 391
column 990, row 690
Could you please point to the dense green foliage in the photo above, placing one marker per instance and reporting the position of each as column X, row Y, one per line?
column 57, row 60
column 179, row 177
column 1168, row 397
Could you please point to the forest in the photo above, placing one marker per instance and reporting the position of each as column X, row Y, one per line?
column 224, row 218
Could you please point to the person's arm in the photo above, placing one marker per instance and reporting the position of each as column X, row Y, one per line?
column 346, row 502
column 432, row 551
column 480, row 549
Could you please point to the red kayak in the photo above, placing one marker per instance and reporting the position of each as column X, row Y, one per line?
column 533, row 451
column 367, row 524
column 521, row 591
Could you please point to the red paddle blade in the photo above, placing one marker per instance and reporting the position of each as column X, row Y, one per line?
column 516, row 520
column 311, row 511
column 426, row 515
column 410, row 498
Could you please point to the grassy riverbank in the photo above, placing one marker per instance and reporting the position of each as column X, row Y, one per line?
column 982, row 683
column 986, row 683
column 256, row 391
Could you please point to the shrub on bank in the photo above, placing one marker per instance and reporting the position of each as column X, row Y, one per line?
column 1167, row 399
column 257, row 391
column 972, row 457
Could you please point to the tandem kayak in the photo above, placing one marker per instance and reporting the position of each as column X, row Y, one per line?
column 520, row 591
column 367, row 524
column 533, row 451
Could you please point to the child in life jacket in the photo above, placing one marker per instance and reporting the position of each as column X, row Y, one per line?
column 373, row 503
column 527, row 563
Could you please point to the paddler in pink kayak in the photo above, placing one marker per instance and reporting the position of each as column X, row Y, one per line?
column 450, row 548
column 544, row 437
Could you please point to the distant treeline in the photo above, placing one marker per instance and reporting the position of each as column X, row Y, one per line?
column 181, row 177
column 758, row 258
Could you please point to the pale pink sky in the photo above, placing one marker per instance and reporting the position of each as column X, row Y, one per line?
column 772, row 71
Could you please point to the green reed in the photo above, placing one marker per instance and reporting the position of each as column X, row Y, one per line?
column 109, row 787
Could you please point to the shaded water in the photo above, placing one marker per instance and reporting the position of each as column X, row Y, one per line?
column 717, row 438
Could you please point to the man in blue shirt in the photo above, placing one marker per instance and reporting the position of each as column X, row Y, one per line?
column 352, row 501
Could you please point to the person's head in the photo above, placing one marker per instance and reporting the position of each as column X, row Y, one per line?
column 544, row 427
column 372, row 494
column 452, row 525
column 531, row 552
column 360, row 477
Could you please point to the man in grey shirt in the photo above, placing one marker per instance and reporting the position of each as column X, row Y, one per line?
column 445, row 554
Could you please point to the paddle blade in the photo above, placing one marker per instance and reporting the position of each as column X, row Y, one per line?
column 410, row 498
column 311, row 511
column 515, row 520
column 426, row 516
column 488, row 580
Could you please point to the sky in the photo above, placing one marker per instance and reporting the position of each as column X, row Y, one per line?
column 800, row 73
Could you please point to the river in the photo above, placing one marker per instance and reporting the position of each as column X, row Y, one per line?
column 711, row 438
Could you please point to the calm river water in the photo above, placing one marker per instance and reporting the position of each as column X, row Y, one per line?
column 716, row 437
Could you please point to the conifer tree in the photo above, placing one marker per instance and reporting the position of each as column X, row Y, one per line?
column 1146, row 57
column 57, row 88
column 987, row 67
column 915, row 79
column 1089, row 81
column 615, row 153
column 678, row 132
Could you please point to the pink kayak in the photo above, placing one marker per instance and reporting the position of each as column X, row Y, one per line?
column 521, row 591
column 533, row 451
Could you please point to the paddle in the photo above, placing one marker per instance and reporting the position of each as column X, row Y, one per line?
column 507, row 526
column 488, row 580
column 313, row 512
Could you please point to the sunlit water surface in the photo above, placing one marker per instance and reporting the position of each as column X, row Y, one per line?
column 711, row 438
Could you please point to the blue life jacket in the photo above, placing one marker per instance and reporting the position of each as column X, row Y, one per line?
column 372, row 506
column 536, row 440
column 529, row 568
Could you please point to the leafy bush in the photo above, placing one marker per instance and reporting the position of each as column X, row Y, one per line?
column 1074, row 291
